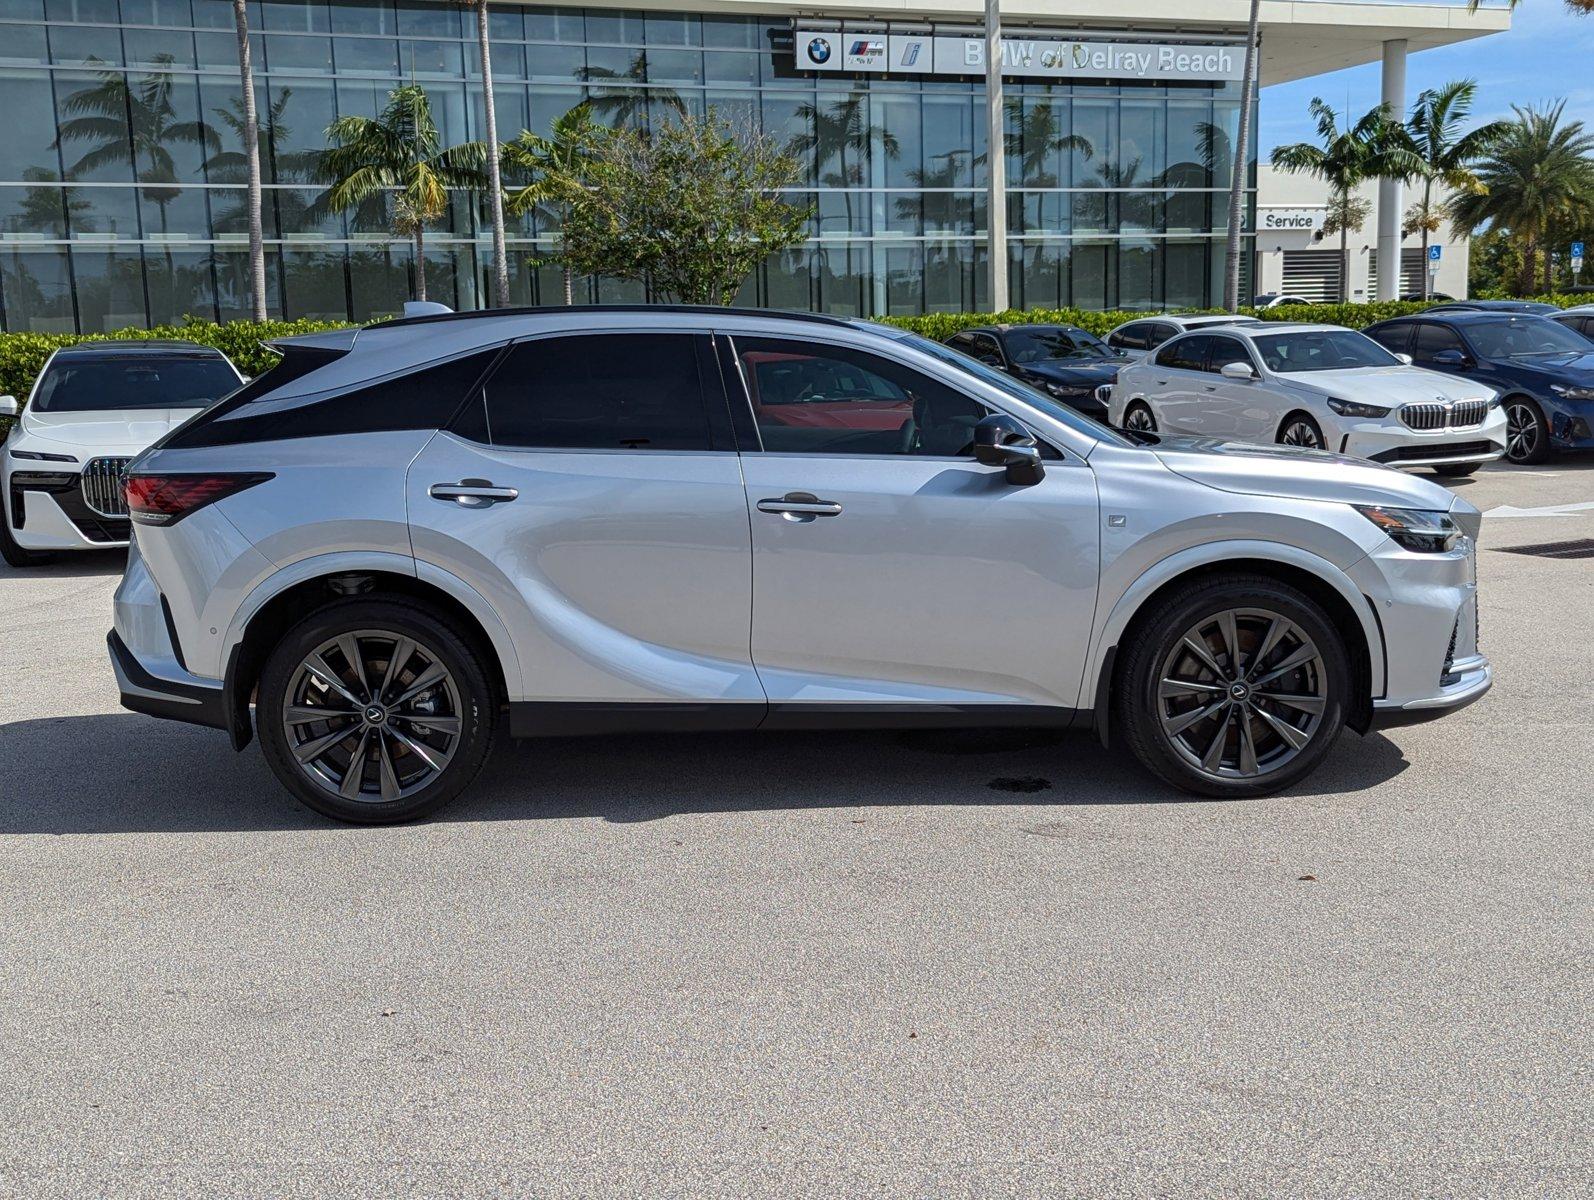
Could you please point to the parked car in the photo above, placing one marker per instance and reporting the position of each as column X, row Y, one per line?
column 1062, row 360
column 1419, row 297
column 93, row 407
column 1579, row 319
column 1543, row 371
column 1274, row 299
column 409, row 539
column 1138, row 338
column 1536, row 308
column 1321, row 387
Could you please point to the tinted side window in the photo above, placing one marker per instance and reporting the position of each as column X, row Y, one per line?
column 1227, row 350
column 1130, row 337
column 603, row 391
column 1161, row 333
column 426, row 398
column 815, row 399
column 1186, row 353
column 1394, row 338
column 987, row 350
column 1431, row 339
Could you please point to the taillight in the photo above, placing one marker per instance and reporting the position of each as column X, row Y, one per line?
column 167, row 499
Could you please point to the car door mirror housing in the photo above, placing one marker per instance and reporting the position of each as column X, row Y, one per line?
column 1004, row 441
column 8, row 406
column 1405, row 359
column 1237, row 370
column 1450, row 358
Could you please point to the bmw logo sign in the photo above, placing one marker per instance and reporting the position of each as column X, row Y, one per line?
column 819, row 50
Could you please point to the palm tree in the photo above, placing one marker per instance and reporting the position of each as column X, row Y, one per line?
column 838, row 130
column 1238, row 168
column 628, row 105
column 399, row 151
column 1034, row 136
column 1538, row 176
column 543, row 163
column 250, row 137
column 1447, row 153
column 495, row 184
column 111, row 110
column 1376, row 147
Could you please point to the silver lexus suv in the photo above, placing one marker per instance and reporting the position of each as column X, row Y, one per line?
column 408, row 540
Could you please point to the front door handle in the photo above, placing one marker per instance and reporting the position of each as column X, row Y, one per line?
column 472, row 493
column 800, row 506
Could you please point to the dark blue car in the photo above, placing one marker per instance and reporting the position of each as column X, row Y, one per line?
column 1063, row 361
column 1543, row 371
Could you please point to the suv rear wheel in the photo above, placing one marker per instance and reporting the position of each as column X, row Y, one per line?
column 375, row 711
column 1234, row 687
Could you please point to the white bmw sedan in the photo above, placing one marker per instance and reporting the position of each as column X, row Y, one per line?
column 1318, row 386
column 94, row 407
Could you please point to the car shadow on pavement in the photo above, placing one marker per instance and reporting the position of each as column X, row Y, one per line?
column 120, row 772
column 72, row 565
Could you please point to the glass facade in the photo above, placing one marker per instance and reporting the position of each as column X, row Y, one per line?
column 121, row 173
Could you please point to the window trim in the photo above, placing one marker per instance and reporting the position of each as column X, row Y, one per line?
column 716, row 431
column 1243, row 343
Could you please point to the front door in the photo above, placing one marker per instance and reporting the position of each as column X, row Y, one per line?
column 890, row 570
column 591, row 494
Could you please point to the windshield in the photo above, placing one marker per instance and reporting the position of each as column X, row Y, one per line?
column 1055, row 345
column 105, row 384
column 1322, row 350
column 1524, row 338
column 1021, row 392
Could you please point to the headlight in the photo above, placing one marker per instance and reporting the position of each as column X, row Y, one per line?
column 1572, row 392
column 41, row 456
column 1350, row 408
column 1414, row 528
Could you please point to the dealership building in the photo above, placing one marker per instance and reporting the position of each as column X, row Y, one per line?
column 121, row 172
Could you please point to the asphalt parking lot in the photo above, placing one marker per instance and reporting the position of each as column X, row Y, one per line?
column 809, row 964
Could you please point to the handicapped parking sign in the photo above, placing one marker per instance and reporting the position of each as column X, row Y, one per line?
column 1434, row 253
column 1577, row 258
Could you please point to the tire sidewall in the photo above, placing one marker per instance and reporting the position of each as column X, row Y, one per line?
column 1301, row 418
column 1541, row 447
column 1155, row 640
column 478, row 711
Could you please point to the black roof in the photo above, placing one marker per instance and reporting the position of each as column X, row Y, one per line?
column 1467, row 315
column 1009, row 326
column 137, row 346
column 557, row 309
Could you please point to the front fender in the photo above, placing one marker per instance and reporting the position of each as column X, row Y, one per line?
column 1165, row 570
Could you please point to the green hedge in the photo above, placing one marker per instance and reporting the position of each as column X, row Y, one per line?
column 22, row 354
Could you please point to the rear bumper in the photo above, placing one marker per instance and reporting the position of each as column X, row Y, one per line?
column 145, row 693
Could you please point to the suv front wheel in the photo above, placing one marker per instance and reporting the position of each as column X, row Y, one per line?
column 375, row 711
column 1233, row 687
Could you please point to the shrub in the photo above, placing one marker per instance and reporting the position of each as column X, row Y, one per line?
column 22, row 354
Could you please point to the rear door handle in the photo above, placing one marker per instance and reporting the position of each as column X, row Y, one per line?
column 472, row 493
column 800, row 506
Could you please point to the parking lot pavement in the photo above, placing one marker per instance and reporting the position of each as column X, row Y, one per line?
column 808, row 965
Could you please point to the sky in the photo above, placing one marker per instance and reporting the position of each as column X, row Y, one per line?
column 1546, row 55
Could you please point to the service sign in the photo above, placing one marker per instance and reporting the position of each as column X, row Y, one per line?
column 1022, row 57
column 1288, row 220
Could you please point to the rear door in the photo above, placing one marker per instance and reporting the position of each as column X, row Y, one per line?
column 1178, row 389
column 890, row 570
column 591, row 492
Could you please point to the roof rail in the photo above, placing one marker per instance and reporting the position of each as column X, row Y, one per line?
column 556, row 309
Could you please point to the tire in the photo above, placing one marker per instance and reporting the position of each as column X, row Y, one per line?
column 1220, row 754
column 1300, row 429
column 14, row 554
column 1139, row 417
column 417, row 751
column 1527, row 433
column 1456, row 470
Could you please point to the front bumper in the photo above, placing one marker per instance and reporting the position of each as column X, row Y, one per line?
column 1472, row 678
column 56, row 517
column 1393, row 444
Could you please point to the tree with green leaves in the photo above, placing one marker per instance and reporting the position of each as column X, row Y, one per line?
column 495, row 185
column 1375, row 147
column 1448, row 154
column 550, row 172
column 690, row 208
column 1537, row 179
column 399, row 152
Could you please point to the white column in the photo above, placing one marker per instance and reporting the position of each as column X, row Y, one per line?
column 995, row 159
column 1391, row 192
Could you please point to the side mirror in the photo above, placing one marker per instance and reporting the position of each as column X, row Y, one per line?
column 1449, row 358
column 1003, row 441
column 1405, row 359
column 1237, row 370
column 8, row 406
